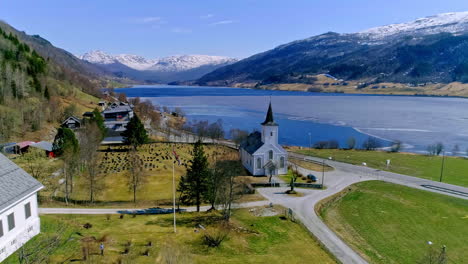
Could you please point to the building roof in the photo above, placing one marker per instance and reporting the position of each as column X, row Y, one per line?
column 15, row 183
column 269, row 118
column 117, row 109
column 253, row 142
column 73, row 118
column 43, row 145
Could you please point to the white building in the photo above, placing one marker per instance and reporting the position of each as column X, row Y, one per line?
column 260, row 152
column 19, row 220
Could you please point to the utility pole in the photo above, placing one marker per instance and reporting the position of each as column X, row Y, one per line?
column 173, row 195
column 310, row 140
column 323, row 172
column 442, row 167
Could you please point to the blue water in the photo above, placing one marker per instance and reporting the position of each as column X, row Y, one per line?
column 416, row 121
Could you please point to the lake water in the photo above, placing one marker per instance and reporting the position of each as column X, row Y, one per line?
column 416, row 121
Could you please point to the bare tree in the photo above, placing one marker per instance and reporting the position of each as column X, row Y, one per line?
column 433, row 256
column 351, row 142
column 34, row 162
column 229, row 190
column 371, row 143
column 215, row 130
column 90, row 139
column 136, row 175
column 238, row 136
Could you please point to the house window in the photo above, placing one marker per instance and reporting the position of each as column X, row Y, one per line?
column 282, row 162
column 259, row 163
column 27, row 210
column 270, row 154
column 11, row 221
column 1, row 228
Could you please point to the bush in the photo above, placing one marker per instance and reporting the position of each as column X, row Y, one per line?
column 214, row 238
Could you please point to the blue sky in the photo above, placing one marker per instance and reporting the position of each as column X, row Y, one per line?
column 237, row 28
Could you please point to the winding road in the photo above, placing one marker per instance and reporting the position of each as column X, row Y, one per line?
column 336, row 181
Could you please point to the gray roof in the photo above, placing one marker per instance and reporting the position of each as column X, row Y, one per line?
column 253, row 142
column 118, row 109
column 43, row 145
column 15, row 183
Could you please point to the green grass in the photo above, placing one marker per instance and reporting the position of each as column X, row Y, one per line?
column 422, row 166
column 157, row 161
column 392, row 224
column 252, row 239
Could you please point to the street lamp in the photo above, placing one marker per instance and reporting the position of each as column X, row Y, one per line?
column 310, row 140
column 323, row 172
column 442, row 167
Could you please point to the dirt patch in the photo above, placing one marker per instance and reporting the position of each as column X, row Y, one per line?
column 264, row 211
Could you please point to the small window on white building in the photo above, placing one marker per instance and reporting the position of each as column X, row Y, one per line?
column 282, row 162
column 11, row 221
column 259, row 163
column 270, row 154
column 27, row 210
column 1, row 228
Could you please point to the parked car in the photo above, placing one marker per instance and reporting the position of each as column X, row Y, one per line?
column 312, row 177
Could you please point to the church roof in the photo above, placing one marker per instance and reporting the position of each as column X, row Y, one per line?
column 269, row 118
column 253, row 142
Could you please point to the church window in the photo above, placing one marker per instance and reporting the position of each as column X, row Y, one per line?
column 259, row 163
column 271, row 133
column 282, row 162
column 270, row 154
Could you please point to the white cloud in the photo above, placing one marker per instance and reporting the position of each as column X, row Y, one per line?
column 223, row 22
column 150, row 20
column 207, row 16
column 181, row 30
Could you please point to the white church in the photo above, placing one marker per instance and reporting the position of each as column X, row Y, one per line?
column 260, row 152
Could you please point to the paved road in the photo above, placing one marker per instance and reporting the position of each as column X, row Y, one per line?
column 414, row 182
column 115, row 210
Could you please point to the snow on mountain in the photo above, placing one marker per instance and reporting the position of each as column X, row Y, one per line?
column 167, row 64
column 456, row 22
column 187, row 62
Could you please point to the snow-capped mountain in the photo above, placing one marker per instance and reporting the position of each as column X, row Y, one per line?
column 167, row 69
column 166, row 64
column 433, row 49
column 188, row 62
column 442, row 23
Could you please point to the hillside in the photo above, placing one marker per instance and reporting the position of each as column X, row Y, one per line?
column 159, row 70
column 38, row 86
column 416, row 57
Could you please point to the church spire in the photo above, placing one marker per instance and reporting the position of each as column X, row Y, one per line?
column 269, row 118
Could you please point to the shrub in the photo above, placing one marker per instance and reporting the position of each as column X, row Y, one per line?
column 214, row 238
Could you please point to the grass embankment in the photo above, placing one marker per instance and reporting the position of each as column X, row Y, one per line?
column 251, row 239
column 422, row 166
column 157, row 159
column 390, row 223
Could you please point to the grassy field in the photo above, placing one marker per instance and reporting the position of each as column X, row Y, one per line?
column 157, row 162
column 390, row 223
column 422, row 166
column 252, row 238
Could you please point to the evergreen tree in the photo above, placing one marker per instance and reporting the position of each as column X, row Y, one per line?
column 97, row 117
column 194, row 184
column 46, row 93
column 65, row 142
column 135, row 135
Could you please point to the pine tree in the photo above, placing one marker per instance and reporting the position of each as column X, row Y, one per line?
column 194, row 184
column 97, row 117
column 65, row 142
column 46, row 93
column 135, row 135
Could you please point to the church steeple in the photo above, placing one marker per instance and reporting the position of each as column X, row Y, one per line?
column 269, row 118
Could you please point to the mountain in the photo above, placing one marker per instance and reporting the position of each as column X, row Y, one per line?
column 427, row 51
column 38, row 83
column 168, row 69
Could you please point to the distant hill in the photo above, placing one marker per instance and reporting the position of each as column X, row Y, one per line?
column 162, row 70
column 425, row 52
